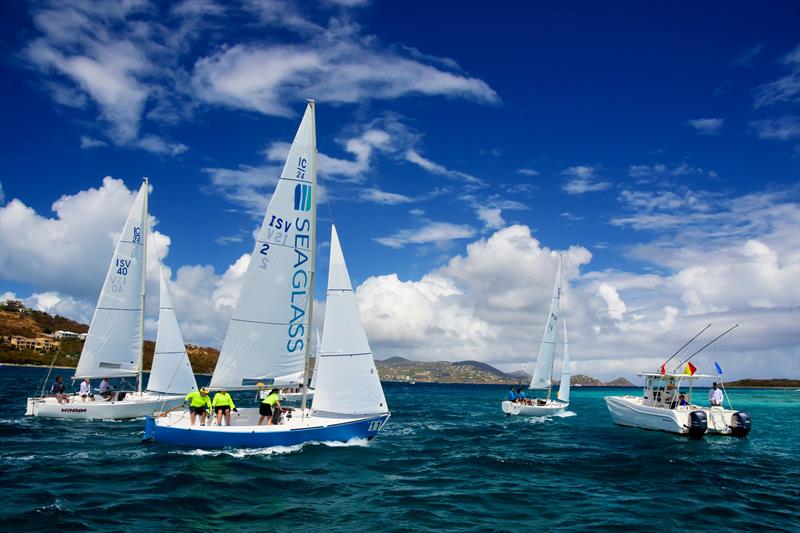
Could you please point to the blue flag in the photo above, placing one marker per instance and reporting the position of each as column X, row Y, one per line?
column 719, row 368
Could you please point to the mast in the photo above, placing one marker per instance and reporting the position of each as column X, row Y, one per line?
column 553, row 361
column 312, row 273
column 144, row 290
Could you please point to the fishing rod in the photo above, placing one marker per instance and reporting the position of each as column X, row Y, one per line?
column 708, row 344
column 684, row 346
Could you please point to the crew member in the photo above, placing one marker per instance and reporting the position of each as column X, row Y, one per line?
column 60, row 390
column 269, row 407
column 106, row 390
column 715, row 396
column 223, row 405
column 199, row 404
column 86, row 390
column 512, row 396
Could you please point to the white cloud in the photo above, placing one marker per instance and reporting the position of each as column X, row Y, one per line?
column 492, row 217
column 337, row 65
column 583, row 179
column 782, row 129
column 413, row 156
column 783, row 90
column 707, row 126
column 88, row 142
column 745, row 60
column 157, row 145
column 427, row 232
column 70, row 251
column 489, row 304
column 382, row 197
column 527, row 172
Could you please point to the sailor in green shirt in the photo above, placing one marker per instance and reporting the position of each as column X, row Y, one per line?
column 269, row 406
column 222, row 405
column 199, row 403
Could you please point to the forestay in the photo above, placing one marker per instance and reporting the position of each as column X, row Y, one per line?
column 563, row 388
column 171, row 372
column 267, row 336
column 542, row 374
column 114, row 342
column 348, row 381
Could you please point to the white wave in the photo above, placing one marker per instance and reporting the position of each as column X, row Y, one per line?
column 565, row 414
column 240, row 453
column 352, row 442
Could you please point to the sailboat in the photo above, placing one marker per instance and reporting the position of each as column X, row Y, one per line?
column 114, row 344
column 543, row 373
column 268, row 342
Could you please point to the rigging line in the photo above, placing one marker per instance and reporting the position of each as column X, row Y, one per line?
column 709, row 344
column 685, row 345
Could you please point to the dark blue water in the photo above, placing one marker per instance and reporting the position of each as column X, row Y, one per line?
column 447, row 460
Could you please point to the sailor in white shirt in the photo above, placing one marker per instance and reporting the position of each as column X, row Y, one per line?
column 86, row 390
column 715, row 396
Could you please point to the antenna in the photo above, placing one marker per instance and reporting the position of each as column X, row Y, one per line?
column 685, row 345
column 708, row 344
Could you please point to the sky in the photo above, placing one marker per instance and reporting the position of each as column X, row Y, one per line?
column 462, row 148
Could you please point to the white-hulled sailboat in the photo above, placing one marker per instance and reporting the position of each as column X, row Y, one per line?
column 114, row 344
column 543, row 373
column 268, row 343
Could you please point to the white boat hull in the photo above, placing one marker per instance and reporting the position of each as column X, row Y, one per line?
column 134, row 405
column 630, row 411
column 535, row 408
column 175, row 428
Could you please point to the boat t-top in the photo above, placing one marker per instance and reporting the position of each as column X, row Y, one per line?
column 543, row 374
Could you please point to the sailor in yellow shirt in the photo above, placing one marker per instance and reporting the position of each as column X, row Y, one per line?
column 199, row 403
column 222, row 405
column 269, row 406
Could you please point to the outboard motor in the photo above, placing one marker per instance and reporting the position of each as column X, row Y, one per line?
column 698, row 423
column 740, row 424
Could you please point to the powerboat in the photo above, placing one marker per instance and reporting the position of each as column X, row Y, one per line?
column 663, row 407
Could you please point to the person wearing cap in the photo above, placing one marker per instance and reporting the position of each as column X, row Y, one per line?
column 269, row 405
column 223, row 405
column 715, row 396
column 199, row 404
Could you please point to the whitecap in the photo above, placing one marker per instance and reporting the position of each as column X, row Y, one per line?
column 240, row 453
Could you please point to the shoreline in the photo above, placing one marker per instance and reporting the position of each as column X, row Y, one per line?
column 423, row 382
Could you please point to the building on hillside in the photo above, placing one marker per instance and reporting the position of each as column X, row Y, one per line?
column 38, row 343
column 60, row 334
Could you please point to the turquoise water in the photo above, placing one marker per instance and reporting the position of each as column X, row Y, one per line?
column 447, row 460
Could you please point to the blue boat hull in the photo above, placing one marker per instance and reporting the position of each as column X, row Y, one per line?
column 366, row 428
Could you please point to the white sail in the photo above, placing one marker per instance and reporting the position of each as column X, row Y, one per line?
column 171, row 372
column 113, row 346
column 348, row 381
column 316, row 364
column 543, row 373
column 563, row 388
column 267, row 336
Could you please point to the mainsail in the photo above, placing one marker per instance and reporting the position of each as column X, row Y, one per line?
column 543, row 373
column 347, row 379
column 171, row 372
column 113, row 346
column 563, row 388
column 268, row 335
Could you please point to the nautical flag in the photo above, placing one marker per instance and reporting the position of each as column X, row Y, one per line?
column 719, row 368
column 690, row 369
column 664, row 369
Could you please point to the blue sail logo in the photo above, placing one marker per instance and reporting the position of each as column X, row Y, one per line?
column 302, row 197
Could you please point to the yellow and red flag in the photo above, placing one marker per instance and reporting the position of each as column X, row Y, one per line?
column 690, row 369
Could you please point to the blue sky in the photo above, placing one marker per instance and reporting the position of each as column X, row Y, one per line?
column 650, row 140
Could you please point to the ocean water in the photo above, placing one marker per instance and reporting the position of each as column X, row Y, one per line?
column 447, row 460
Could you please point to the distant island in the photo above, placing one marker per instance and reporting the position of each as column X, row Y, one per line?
column 36, row 338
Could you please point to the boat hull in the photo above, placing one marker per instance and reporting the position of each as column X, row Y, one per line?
column 133, row 406
column 174, row 429
column 630, row 411
column 551, row 407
